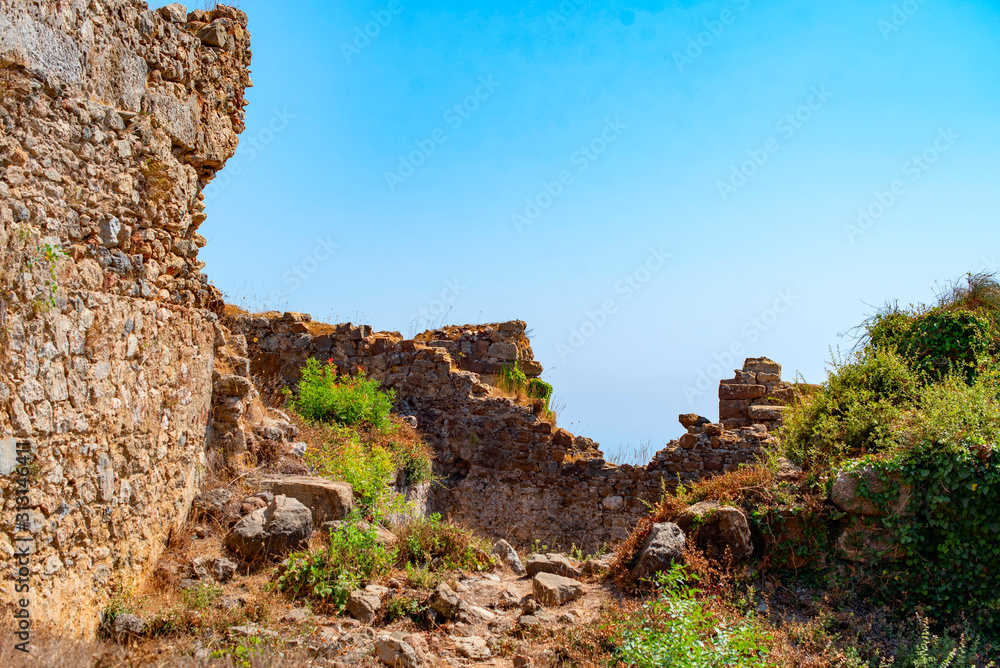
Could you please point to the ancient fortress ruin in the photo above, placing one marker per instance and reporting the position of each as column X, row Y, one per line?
column 118, row 373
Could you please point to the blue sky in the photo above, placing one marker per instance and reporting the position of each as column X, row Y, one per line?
column 591, row 141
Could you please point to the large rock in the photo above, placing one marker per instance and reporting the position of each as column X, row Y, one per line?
column 557, row 564
column 509, row 557
column 852, row 492
column 555, row 590
column 326, row 499
column 663, row 549
column 283, row 526
column 717, row 530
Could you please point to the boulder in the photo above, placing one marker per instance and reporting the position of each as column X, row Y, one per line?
column 787, row 470
column 283, row 526
column 326, row 499
column 663, row 549
column 852, row 490
column 557, row 564
column 555, row 590
column 509, row 557
column 717, row 530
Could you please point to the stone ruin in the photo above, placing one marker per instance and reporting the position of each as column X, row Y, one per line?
column 116, row 368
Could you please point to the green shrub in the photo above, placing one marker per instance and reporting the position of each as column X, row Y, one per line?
column 677, row 630
column 357, row 400
column 342, row 456
column 353, row 556
column 513, row 380
column 855, row 414
column 438, row 545
column 937, row 342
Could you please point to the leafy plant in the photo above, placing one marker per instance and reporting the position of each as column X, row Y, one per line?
column 353, row 556
column 369, row 470
column 357, row 400
column 428, row 541
column 677, row 630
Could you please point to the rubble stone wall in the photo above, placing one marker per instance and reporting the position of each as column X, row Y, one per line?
column 113, row 118
column 503, row 469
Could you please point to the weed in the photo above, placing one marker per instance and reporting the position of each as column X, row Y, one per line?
column 441, row 545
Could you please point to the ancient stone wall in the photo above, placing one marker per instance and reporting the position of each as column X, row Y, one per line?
column 113, row 118
column 756, row 395
column 503, row 468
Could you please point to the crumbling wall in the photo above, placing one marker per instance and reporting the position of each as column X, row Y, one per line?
column 113, row 118
column 755, row 396
column 503, row 468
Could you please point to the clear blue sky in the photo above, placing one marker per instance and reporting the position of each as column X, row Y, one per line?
column 649, row 132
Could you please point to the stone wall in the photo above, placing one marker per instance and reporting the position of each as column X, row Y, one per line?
column 756, row 395
column 503, row 468
column 113, row 118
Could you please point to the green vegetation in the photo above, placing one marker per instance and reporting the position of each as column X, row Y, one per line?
column 352, row 557
column 676, row 629
column 356, row 438
column 429, row 542
column 513, row 380
column 427, row 549
column 353, row 401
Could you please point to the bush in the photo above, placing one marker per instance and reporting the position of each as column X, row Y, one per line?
column 357, row 400
column 855, row 414
column 342, row 456
column 677, row 630
column 353, row 556
column 429, row 542
column 936, row 343
column 513, row 380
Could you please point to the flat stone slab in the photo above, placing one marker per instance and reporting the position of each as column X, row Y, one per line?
column 328, row 500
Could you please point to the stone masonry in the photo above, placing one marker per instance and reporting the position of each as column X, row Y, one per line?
column 503, row 469
column 113, row 118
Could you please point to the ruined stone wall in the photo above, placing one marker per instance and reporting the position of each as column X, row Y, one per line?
column 113, row 118
column 756, row 395
column 503, row 469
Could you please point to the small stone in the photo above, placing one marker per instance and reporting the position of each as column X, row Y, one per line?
column 473, row 647
column 175, row 13
column 126, row 627
column 395, row 653
column 364, row 605
column 297, row 616
column 445, row 601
